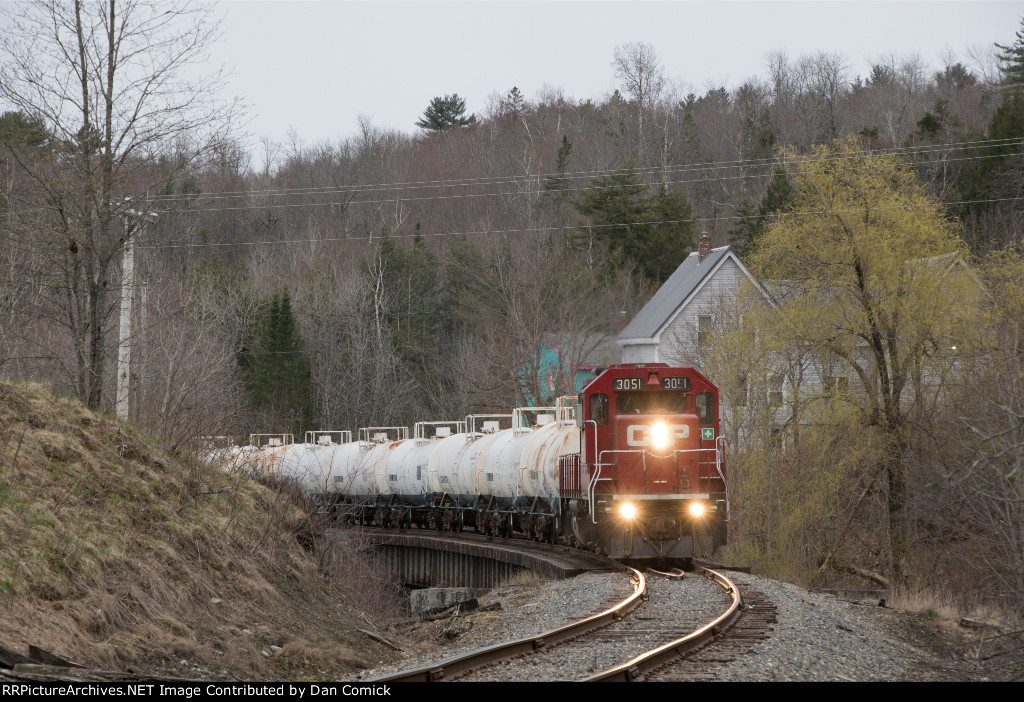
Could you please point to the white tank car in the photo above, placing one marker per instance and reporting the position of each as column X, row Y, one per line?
column 377, row 458
column 309, row 465
column 405, row 468
column 351, row 471
column 537, row 473
column 468, row 480
column 235, row 459
column 443, row 473
column 499, row 462
column 269, row 458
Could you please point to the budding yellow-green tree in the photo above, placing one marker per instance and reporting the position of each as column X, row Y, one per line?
column 868, row 278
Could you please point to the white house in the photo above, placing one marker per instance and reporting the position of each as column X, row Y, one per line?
column 682, row 309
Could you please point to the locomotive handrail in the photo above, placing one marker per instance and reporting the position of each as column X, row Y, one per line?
column 597, row 473
column 644, row 452
column 718, row 467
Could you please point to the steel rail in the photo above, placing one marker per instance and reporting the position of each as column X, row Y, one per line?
column 634, row 670
column 453, row 667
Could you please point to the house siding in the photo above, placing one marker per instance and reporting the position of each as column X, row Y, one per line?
column 639, row 353
column 680, row 332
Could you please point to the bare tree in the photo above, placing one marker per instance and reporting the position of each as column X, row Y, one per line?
column 111, row 83
column 824, row 77
column 641, row 76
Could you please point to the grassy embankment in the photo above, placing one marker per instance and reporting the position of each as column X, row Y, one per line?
column 118, row 555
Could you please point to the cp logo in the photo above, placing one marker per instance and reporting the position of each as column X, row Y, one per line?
column 640, row 434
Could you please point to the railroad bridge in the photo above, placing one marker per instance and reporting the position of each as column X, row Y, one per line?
column 425, row 558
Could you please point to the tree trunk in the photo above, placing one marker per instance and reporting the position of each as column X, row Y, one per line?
column 896, row 477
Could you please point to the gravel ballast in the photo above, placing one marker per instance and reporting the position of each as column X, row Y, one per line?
column 817, row 637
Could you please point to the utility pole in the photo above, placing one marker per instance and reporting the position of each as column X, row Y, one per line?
column 124, row 347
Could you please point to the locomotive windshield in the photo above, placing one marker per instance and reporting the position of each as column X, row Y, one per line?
column 651, row 403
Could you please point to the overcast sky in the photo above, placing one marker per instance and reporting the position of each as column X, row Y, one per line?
column 315, row 67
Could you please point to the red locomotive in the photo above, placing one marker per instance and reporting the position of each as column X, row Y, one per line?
column 649, row 481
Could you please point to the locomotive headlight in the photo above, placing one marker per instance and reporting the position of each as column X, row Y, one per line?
column 659, row 435
column 696, row 509
column 627, row 510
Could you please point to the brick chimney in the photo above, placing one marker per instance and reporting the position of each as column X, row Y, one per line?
column 623, row 320
column 703, row 246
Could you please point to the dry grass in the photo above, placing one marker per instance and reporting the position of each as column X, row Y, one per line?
column 523, row 577
column 943, row 603
column 118, row 555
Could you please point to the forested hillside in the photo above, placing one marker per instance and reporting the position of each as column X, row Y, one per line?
column 392, row 276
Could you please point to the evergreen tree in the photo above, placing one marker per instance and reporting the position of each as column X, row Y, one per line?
column 1013, row 60
column 993, row 173
column 19, row 130
column 276, row 368
column 558, row 184
column 406, row 284
column 754, row 220
column 516, row 104
column 444, row 114
column 652, row 231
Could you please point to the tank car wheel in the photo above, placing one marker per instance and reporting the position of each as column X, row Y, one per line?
column 495, row 527
column 449, row 520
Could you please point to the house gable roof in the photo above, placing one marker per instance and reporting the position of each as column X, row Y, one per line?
column 675, row 293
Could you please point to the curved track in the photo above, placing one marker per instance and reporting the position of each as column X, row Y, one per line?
column 454, row 667
column 638, row 668
column 662, row 658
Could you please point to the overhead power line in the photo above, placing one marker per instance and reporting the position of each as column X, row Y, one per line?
column 536, row 191
column 538, row 230
column 576, row 175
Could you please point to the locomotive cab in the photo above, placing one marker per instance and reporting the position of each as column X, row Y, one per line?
column 651, row 476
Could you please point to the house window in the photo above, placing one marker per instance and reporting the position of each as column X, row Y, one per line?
column 775, row 382
column 703, row 330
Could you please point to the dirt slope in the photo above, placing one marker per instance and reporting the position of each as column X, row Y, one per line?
column 116, row 555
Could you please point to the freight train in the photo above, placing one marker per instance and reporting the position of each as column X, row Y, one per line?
column 631, row 468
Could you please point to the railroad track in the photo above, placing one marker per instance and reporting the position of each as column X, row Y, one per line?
column 650, row 638
column 641, row 666
column 455, row 667
column 757, row 618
